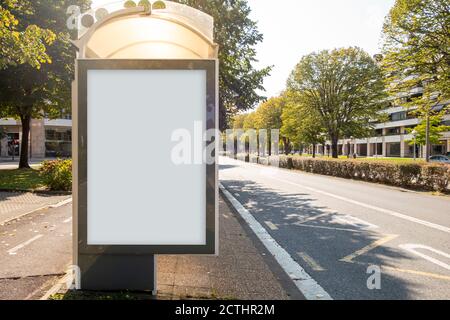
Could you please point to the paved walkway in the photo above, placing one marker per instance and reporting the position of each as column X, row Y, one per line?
column 239, row 272
column 16, row 204
column 242, row 270
column 7, row 164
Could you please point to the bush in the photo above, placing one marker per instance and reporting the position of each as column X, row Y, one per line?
column 435, row 177
column 57, row 174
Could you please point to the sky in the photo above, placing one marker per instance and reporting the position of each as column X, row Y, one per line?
column 293, row 28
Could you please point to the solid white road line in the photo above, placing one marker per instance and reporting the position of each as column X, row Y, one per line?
column 412, row 248
column 14, row 250
column 307, row 285
column 61, row 203
column 368, row 206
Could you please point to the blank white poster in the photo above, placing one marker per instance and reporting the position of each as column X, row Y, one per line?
column 136, row 194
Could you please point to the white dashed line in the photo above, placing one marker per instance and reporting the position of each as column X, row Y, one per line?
column 67, row 220
column 14, row 250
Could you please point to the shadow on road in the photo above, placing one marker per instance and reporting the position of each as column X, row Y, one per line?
column 324, row 237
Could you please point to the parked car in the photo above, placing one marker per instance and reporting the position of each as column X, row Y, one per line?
column 441, row 159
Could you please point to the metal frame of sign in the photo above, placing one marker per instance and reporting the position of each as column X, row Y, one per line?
column 81, row 180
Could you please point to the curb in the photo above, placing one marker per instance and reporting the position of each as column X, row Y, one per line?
column 44, row 192
column 56, row 287
column 48, row 206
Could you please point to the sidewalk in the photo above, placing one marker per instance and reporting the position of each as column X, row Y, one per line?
column 17, row 204
column 241, row 271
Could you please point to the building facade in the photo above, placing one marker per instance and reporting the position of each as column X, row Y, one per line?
column 391, row 138
column 48, row 138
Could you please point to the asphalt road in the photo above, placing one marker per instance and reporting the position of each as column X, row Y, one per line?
column 338, row 230
column 35, row 251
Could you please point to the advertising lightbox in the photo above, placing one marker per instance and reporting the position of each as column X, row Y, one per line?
column 144, row 183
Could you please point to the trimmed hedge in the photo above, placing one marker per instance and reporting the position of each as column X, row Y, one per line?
column 57, row 174
column 433, row 177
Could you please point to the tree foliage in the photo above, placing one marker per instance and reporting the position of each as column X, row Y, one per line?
column 343, row 87
column 237, row 36
column 417, row 57
column 28, row 92
column 436, row 128
column 301, row 125
column 417, row 48
column 22, row 43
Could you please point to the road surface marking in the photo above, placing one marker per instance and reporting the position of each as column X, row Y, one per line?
column 14, row 250
column 412, row 248
column 271, row 225
column 368, row 248
column 353, row 221
column 329, row 228
column 368, row 206
column 61, row 203
column 314, row 217
column 67, row 220
column 304, row 282
column 310, row 261
column 415, row 272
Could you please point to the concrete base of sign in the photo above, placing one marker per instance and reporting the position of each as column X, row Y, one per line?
column 118, row 272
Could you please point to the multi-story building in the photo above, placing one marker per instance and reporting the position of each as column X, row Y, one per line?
column 392, row 139
column 48, row 138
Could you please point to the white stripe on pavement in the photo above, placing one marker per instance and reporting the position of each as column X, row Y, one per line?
column 14, row 250
column 304, row 282
column 61, row 203
column 368, row 206
column 412, row 248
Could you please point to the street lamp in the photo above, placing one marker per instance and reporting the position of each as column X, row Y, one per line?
column 414, row 134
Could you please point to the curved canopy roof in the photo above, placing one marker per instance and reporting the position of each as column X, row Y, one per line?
column 174, row 31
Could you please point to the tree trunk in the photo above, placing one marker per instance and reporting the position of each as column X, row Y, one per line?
column 26, row 122
column 334, row 147
column 286, row 145
column 314, row 150
column 427, row 139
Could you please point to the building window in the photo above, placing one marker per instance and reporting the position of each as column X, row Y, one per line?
column 13, row 144
column 393, row 131
column 58, row 143
column 398, row 116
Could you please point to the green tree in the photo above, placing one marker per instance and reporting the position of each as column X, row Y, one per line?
column 268, row 116
column 237, row 36
column 250, row 121
column 238, row 120
column 417, row 54
column 436, row 128
column 22, row 44
column 301, row 124
column 344, row 87
column 28, row 92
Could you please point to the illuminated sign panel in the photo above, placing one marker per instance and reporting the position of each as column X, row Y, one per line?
column 144, row 184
